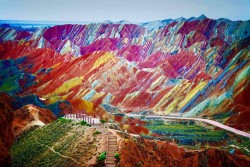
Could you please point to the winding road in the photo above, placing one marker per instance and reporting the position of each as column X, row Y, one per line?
column 214, row 123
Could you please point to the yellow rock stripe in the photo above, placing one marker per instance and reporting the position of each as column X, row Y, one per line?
column 103, row 59
column 192, row 93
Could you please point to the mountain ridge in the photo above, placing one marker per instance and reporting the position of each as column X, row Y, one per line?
column 187, row 67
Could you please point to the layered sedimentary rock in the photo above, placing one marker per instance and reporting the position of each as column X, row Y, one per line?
column 188, row 67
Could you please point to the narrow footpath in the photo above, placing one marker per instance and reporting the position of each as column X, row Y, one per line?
column 111, row 150
column 111, row 144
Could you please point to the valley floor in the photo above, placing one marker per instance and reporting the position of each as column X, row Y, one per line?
column 69, row 143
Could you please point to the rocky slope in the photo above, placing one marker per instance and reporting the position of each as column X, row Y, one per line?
column 29, row 116
column 6, row 130
column 14, row 122
column 136, row 151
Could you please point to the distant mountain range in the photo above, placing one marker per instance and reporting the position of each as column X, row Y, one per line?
column 149, row 24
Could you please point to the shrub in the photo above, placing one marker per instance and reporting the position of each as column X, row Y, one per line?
column 102, row 121
column 117, row 156
column 64, row 120
column 97, row 132
column 102, row 156
column 84, row 123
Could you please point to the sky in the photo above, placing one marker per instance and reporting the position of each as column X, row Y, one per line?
column 116, row 10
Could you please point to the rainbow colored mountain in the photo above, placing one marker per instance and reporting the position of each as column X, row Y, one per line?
column 197, row 67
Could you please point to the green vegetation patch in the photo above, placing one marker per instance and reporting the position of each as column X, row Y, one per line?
column 241, row 143
column 102, row 156
column 64, row 120
column 193, row 135
column 102, row 121
column 117, row 156
column 97, row 132
column 84, row 123
column 32, row 145
column 186, row 133
column 61, row 143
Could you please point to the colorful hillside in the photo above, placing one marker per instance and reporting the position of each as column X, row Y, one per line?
column 187, row 67
column 167, row 93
